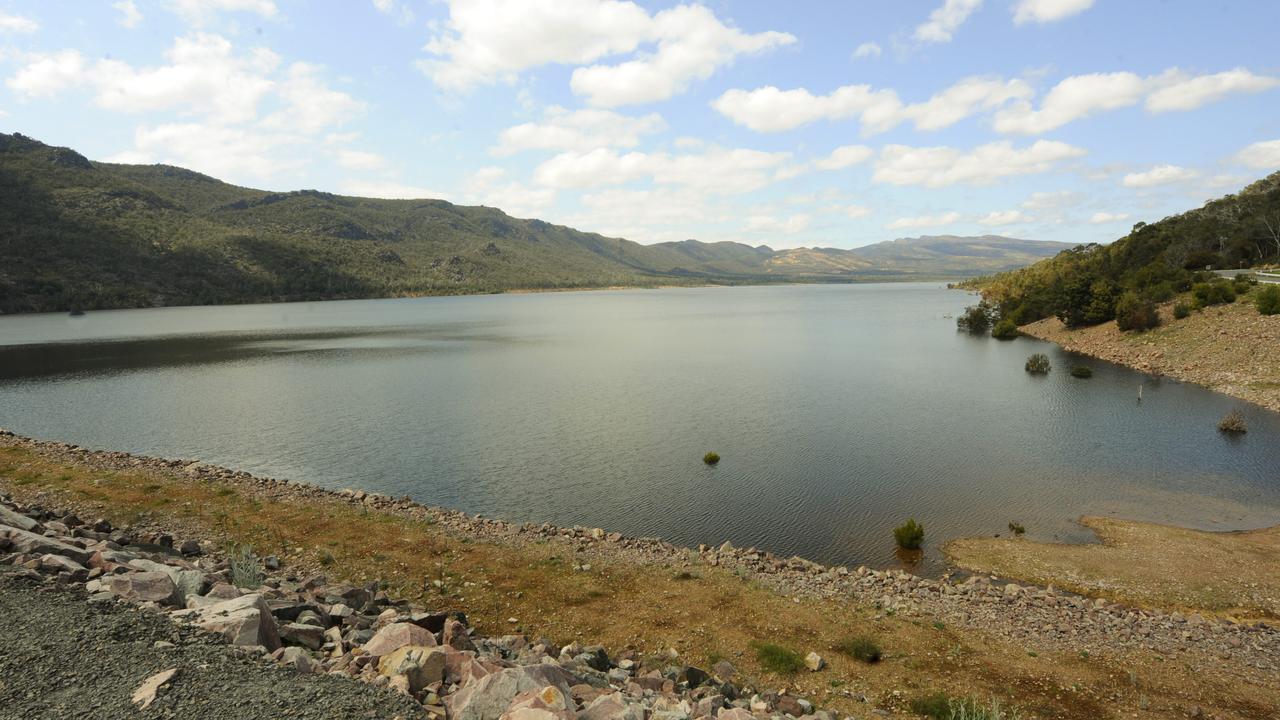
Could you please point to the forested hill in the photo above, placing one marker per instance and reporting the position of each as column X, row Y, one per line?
column 81, row 234
column 1151, row 264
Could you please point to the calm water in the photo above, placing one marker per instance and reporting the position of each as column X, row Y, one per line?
column 838, row 410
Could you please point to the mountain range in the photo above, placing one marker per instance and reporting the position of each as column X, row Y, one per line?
column 78, row 234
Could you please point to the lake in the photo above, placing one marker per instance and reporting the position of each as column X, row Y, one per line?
column 839, row 411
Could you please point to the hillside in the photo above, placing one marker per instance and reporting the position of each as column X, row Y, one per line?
column 1151, row 264
column 83, row 234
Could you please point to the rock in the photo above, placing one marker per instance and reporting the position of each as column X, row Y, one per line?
column 692, row 676
column 33, row 544
column 396, row 636
column 595, row 658
column 455, row 635
column 814, row 662
column 549, row 703
column 297, row 659
column 490, row 696
column 190, row 548
column 612, row 707
column 724, row 670
column 142, row 587
column 309, row 636
column 246, row 620
column 735, row 714
column 16, row 520
column 146, row 693
column 58, row 563
column 419, row 665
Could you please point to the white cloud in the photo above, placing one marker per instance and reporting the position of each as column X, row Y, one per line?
column 47, row 75
column 310, row 104
column 199, row 12
column 1102, row 218
column 717, row 170
column 924, row 221
column 964, row 99
column 845, row 156
column 868, row 50
column 1076, row 97
column 692, row 44
column 1005, row 217
column 392, row 191
column 1262, row 155
column 771, row 224
column 485, row 41
column 942, row 166
column 1177, row 91
column 402, row 11
column 1047, row 11
column 1159, row 175
column 945, row 20
column 359, row 159
column 17, row 24
column 637, row 214
column 224, row 152
column 853, row 212
column 489, row 186
column 1051, row 200
column 596, row 168
column 581, row 130
column 130, row 16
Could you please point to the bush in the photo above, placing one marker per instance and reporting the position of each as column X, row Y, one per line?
column 1268, row 300
column 1083, row 372
column 860, row 648
column 1233, row 423
column 909, row 535
column 976, row 319
column 1136, row 313
column 1006, row 329
column 1038, row 364
column 1214, row 293
column 1242, row 284
column 778, row 659
column 1016, row 528
column 711, row 458
column 1181, row 310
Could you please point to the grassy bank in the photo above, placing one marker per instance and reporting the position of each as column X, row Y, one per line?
column 704, row 613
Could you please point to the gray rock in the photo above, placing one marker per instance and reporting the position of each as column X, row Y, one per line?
column 244, row 621
column 490, row 696
column 33, row 544
column 142, row 587
column 17, row 520
column 310, row 636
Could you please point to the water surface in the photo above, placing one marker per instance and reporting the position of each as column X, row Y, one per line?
column 838, row 410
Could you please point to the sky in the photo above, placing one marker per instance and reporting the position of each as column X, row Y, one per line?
column 804, row 123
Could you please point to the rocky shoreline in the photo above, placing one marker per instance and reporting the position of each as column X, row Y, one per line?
column 297, row 618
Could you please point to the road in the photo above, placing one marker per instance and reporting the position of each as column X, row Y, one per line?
column 1270, row 278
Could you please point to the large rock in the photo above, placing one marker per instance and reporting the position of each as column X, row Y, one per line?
column 396, row 636
column 549, row 703
column 490, row 696
column 246, row 620
column 419, row 665
column 613, row 707
column 141, row 587
column 188, row 582
column 310, row 636
column 33, row 544
column 17, row 520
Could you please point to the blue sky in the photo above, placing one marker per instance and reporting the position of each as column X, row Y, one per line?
column 790, row 124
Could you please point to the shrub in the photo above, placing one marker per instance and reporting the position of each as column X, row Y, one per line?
column 1268, row 300
column 776, row 658
column 1038, row 364
column 860, row 648
column 1242, row 284
column 242, row 566
column 1181, row 310
column 1006, row 329
column 1084, row 372
column 711, row 458
column 909, row 535
column 1233, row 423
column 1016, row 528
column 1214, row 293
column 1136, row 313
column 975, row 319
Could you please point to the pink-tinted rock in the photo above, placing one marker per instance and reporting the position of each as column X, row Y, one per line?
column 396, row 636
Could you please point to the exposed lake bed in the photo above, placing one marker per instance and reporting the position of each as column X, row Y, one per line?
column 839, row 411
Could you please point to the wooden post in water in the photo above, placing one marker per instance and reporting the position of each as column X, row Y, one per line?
column 1139, row 392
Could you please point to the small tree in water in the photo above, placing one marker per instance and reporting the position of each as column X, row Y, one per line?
column 976, row 319
column 1233, row 423
column 909, row 535
column 1038, row 364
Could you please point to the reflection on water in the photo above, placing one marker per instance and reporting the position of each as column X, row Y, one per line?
column 838, row 411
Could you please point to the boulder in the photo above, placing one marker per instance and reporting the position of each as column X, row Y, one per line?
column 58, row 563
column 735, row 714
column 246, row 620
column 16, row 520
column 490, row 696
column 548, row 703
column 396, row 636
column 32, row 544
column 187, row 582
column 814, row 662
column 297, row 659
column 142, row 587
column 420, row 666
column 309, row 636
column 454, row 634
column 613, row 707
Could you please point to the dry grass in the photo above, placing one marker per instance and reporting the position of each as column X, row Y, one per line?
column 624, row 604
column 1228, row 573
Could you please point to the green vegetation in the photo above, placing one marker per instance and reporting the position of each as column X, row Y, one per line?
column 1220, row 292
column 1038, row 364
column 778, row 659
column 1136, row 312
column 860, row 648
column 243, row 567
column 1267, row 300
column 1084, row 372
column 909, row 535
column 940, row 706
column 1181, row 310
column 1006, row 329
column 1233, row 423
column 976, row 319
column 711, row 458
column 1016, row 528
column 1086, row 285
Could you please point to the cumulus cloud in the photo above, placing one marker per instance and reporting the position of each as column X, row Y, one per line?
column 844, row 156
column 581, row 130
column 359, row 159
column 1051, row 200
column 1262, row 155
column 771, row 224
column 45, row 75
column 1159, row 175
column 490, row 186
column 17, row 24
column 1101, row 218
column 716, row 171
column 1003, row 217
column 868, row 50
column 486, row 41
column 924, row 221
column 130, row 16
column 945, row 20
column 985, row 164
column 1178, row 91
column 221, row 151
column 1047, row 11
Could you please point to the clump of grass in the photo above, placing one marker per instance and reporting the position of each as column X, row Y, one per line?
column 860, row 648
column 939, row 706
column 909, row 535
column 777, row 658
column 1084, row 372
column 326, row 558
column 1038, row 364
column 1016, row 528
column 711, row 458
column 1233, row 423
column 243, row 567
column 1181, row 310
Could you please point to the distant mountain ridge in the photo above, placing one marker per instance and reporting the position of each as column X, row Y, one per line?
column 78, row 234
